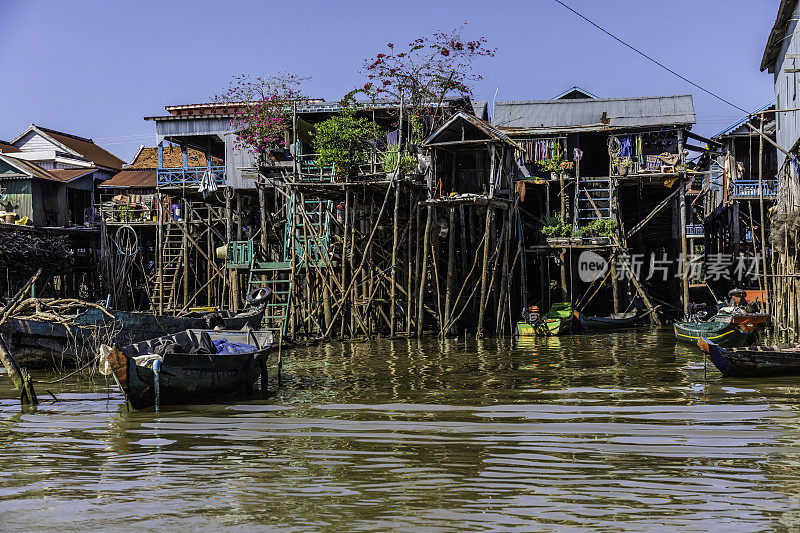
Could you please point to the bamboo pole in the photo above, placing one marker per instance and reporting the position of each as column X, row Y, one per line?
column 451, row 268
column 504, row 280
column 487, row 239
column 411, row 264
column 423, row 273
column 684, row 250
column 354, row 275
column 765, row 290
column 393, row 292
column 639, row 289
column 347, row 231
column 160, row 254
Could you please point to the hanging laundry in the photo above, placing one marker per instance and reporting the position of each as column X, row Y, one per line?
column 626, row 147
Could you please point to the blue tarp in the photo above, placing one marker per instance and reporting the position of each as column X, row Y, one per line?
column 225, row 347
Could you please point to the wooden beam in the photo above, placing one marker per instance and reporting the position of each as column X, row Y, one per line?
column 656, row 210
column 766, row 138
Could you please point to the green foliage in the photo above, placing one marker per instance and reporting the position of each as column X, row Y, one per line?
column 554, row 163
column 345, row 140
column 389, row 160
column 600, row 228
column 553, row 228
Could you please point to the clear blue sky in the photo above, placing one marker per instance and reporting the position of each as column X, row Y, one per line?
column 95, row 68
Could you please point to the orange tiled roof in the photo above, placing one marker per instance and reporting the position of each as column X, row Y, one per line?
column 173, row 158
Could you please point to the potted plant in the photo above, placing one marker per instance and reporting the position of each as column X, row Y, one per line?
column 599, row 231
column 555, row 231
column 623, row 166
column 576, row 236
column 553, row 165
column 408, row 163
column 566, row 167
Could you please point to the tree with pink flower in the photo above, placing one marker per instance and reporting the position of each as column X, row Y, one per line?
column 262, row 108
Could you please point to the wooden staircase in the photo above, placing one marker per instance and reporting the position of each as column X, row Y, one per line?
column 165, row 291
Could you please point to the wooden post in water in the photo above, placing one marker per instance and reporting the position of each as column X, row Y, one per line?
column 424, row 272
column 451, row 269
column 684, row 249
column 185, row 252
column 486, row 242
column 395, row 237
column 563, row 256
column 765, row 290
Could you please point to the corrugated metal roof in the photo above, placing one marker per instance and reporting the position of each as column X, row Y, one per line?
column 487, row 129
column 314, row 106
column 29, row 168
column 572, row 94
column 138, row 179
column 68, row 174
column 87, row 148
column 776, row 36
column 481, row 110
column 588, row 112
column 7, row 147
column 743, row 120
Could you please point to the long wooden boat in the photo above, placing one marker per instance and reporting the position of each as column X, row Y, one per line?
column 615, row 320
column 557, row 321
column 178, row 376
column 725, row 329
column 80, row 338
column 753, row 361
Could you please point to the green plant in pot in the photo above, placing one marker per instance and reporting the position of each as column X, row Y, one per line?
column 408, row 163
column 554, row 228
column 600, row 228
column 624, row 166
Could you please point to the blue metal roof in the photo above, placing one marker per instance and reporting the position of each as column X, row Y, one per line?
column 744, row 119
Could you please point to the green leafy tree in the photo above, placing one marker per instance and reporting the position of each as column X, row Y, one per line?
column 344, row 141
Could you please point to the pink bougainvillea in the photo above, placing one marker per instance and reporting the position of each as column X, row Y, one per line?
column 261, row 110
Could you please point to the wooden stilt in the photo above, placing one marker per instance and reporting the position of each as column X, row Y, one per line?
column 451, row 269
column 424, row 272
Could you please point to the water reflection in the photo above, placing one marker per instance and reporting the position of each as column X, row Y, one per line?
column 620, row 431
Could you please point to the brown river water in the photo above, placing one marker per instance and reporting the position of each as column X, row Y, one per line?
column 615, row 432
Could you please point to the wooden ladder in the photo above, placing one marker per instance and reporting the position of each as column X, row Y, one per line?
column 278, row 277
column 164, row 295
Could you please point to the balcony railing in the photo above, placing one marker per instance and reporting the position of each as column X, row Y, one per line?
column 694, row 230
column 189, row 177
column 749, row 188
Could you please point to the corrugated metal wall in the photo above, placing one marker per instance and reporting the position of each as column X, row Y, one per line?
column 786, row 88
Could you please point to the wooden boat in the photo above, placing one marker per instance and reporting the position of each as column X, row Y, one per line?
column 557, row 321
column 753, row 361
column 80, row 338
column 178, row 376
column 727, row 328
column 614, row 320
